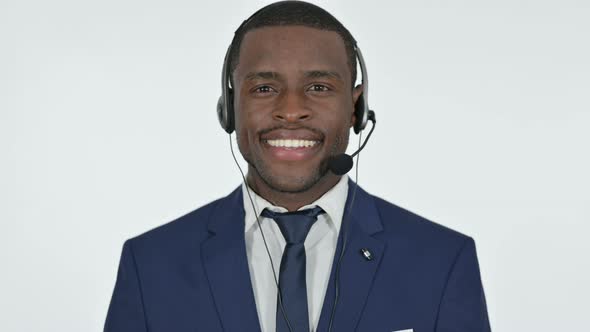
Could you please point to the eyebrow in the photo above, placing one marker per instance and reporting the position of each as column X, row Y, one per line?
column 271, row 75
column 265, row 75
column 323, row 74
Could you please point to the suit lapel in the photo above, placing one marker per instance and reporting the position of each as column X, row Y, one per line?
column 356, row 272
column 226, row 266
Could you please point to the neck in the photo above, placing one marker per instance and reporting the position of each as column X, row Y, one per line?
column 292, row 201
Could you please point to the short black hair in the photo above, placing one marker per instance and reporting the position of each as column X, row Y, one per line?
column 293, row 13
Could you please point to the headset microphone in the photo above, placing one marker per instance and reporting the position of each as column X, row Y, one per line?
column 340, row 164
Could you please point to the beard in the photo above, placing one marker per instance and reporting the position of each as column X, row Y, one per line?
column 296, row 183
column 293, row 183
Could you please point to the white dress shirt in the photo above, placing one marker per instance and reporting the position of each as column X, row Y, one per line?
column 320, row 246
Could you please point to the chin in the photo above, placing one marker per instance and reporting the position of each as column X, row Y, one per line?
column 289, row 178
column 291, row 184
column 290, row 181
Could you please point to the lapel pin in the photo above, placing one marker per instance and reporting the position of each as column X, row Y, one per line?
column 367, row 254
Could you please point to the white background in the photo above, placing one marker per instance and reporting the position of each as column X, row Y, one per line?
column 108, row 129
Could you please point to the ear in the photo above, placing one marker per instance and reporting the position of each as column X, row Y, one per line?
column 356, row 93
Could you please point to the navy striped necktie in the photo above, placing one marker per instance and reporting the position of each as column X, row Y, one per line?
column 292, row 286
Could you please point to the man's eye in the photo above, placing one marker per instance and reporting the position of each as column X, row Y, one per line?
column 318, row 88
column 264, row 89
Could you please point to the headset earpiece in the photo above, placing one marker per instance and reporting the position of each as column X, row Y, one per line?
column 225, row 104
column 360, row 114
column 361, row 107
column 225, row 112
column 220, row 112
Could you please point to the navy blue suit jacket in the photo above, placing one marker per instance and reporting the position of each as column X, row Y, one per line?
column 192, row 275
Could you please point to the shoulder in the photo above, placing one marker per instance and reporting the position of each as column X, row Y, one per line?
column 183, row 232
column 417, row 231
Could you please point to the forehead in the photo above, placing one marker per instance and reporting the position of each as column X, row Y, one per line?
column 292, row 49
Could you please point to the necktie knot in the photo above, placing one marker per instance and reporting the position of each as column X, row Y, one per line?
column 294, row 225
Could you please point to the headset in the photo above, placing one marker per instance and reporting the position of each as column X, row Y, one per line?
column 225, row 104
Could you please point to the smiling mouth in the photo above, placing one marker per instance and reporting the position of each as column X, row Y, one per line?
column 292, row 149
column 291, row 143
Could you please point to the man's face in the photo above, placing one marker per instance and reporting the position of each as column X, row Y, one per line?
column 294, row 104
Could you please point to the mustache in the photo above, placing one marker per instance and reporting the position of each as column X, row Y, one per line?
column 316, row 131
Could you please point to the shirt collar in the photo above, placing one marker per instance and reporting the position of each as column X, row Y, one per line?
column 332, row 202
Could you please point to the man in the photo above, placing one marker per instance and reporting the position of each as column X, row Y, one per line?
column 297, row 247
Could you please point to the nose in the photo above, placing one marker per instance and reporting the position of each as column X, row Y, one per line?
column 292, row 108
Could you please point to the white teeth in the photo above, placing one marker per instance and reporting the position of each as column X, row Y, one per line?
column 291, row 143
